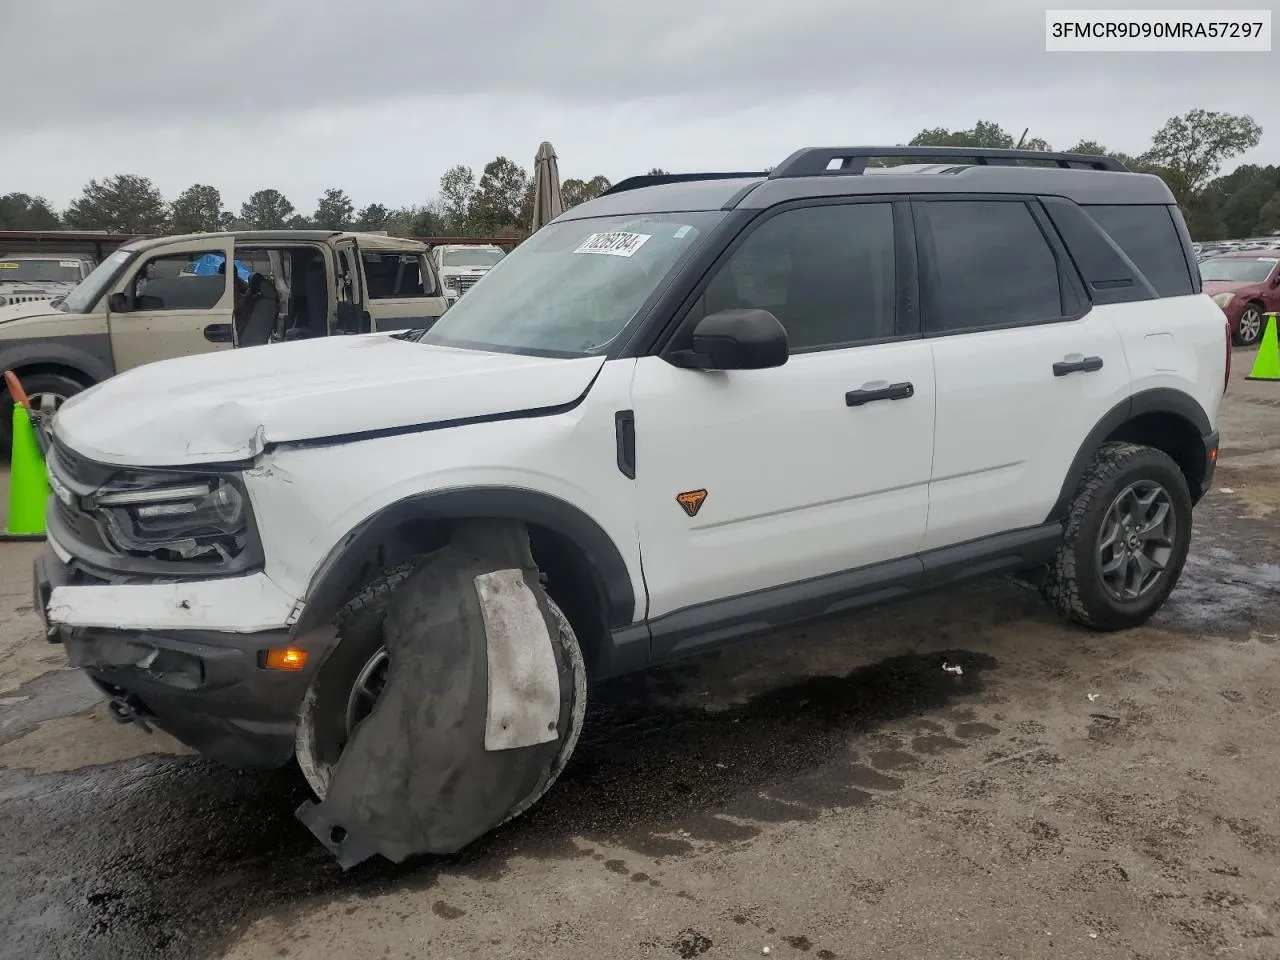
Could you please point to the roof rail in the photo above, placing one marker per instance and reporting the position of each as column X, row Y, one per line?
column 816, row 161
column 653, row 180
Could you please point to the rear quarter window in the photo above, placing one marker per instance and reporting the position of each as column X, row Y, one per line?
column 1150, row 238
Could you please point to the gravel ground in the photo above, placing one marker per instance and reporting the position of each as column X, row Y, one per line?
column 826, row 792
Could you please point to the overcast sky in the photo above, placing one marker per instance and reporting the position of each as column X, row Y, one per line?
column 379, row 98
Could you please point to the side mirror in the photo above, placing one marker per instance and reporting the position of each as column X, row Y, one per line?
column 118, row 303
column 735, row 340
column 1275, row 281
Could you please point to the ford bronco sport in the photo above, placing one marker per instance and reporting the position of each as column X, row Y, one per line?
column 707, row 405
column 153, row 299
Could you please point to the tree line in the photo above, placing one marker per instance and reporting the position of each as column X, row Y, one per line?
column 1188, row 152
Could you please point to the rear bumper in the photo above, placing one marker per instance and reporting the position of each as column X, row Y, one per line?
column 205, row 687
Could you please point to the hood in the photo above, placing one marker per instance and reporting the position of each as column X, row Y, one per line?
column 477, row 269
column 1214, row 287
column 32, row 308
column 226, row 406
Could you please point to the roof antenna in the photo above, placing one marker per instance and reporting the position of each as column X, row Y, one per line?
column 1022, row 138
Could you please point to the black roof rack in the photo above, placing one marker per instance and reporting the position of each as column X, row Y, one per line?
column 816, row 161
column 653, row 180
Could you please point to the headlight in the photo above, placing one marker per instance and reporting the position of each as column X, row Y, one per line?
column 202, row 519
column 1223, row 300
column 451, row 282
column 4, row 301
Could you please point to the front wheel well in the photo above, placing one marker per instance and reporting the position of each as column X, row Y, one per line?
column 1171, row 434
column 569, row 577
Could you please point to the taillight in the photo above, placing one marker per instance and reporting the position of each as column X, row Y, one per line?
column 1226, row 377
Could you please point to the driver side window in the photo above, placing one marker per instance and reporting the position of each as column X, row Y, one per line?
column 180, row 281
column 827, row 273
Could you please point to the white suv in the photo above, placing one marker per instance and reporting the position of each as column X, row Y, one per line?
column 462, row 265
column 680, row 414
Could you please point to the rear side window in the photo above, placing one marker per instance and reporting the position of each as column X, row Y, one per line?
column 991, row 266
column 395, row 276
column 1148, row 236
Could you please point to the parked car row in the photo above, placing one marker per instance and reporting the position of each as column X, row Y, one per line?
column 1204, row 251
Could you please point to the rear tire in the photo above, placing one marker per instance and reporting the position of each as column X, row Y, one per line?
column 1126, row 540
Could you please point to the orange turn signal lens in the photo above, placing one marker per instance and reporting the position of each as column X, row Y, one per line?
column 288, row 658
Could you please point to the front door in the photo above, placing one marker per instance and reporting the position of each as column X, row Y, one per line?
column 177, row 301
column 753, row 479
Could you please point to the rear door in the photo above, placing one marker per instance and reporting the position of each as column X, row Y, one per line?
column 175, row 303
column 1024, row 367
column 401, row 288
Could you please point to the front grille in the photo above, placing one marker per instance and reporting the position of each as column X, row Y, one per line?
column 467, row 281
column 27, row 297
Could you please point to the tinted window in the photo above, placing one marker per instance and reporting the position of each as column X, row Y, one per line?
column 827, row 273
column 993, row 266
column 1147, row 234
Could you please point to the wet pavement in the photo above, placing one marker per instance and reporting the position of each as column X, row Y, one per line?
column 830, row 791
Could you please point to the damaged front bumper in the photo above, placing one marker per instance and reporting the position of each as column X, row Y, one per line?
column 209, row 688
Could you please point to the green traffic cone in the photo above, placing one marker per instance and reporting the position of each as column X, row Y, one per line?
column 1266, row 365
column 28, row 482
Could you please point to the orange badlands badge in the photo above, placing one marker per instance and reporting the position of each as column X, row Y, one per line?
column 691, row 500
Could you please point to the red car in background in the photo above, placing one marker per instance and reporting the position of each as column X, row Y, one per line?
column 1246, row 285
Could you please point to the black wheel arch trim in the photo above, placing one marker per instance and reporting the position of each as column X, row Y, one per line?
column 341, row 565
column 1157, row 400
column 48, row 352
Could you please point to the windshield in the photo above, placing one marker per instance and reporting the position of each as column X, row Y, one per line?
column 479, row 257
column 86, row 294
column 573, row 287
column 1236, row 269
column 39, row 271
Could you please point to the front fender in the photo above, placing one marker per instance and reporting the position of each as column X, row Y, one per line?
column 326, row 592
column 79, row 343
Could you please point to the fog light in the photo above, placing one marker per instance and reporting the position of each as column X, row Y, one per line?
column 287, row 658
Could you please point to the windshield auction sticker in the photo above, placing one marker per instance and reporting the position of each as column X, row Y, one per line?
column 613, row 244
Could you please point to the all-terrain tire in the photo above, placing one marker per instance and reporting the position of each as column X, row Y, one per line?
column 1073, row 585
column 321, row 731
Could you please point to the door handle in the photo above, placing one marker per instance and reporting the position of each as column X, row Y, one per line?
column 1084, row 365
column 218, row 333
column 895, row 391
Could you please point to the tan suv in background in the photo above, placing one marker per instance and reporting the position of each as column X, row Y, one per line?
column 165, row 297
